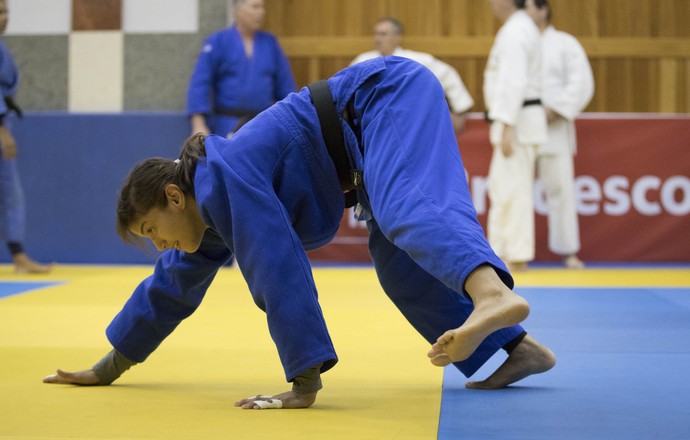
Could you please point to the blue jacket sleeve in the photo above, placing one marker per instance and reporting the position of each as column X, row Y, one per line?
column 164, row 299
column 284, row 82
column 277, row 270
column 7, row 72
column 200, row 87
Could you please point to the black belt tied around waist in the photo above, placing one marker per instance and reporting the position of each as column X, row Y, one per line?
column 238, row 113
column 527, row 103
column 243, row 116
column 332, row 133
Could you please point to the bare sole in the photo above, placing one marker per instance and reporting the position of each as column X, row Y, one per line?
column 492, row 315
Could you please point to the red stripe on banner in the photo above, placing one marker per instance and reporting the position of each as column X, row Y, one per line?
column 632, row 186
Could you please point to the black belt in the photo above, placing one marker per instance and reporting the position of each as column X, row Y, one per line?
column 526, row 103
column 243, row 116
column 332, row 132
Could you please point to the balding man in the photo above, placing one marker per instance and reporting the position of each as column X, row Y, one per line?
column 387, row 36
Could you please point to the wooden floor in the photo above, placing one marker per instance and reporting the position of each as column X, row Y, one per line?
column 383, row 387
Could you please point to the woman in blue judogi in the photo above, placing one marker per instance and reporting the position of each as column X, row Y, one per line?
column 272, row 192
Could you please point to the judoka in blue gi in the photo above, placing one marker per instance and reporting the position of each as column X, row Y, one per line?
column 12, row 202
column 272, row 191
column 241, row 70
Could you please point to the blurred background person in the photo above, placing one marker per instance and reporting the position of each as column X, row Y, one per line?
column 512, row 91
column 387, row 35
column 240, row 72
column 12, row 207
column 567, row 88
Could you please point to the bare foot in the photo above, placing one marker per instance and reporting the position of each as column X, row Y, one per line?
column 286, row 400
column 529, row 357
column 501, row 310
column 23, row 265
column 516, row 266
column 572, row 262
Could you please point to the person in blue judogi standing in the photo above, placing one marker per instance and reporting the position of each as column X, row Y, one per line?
column 12, row 202
column 241, row 70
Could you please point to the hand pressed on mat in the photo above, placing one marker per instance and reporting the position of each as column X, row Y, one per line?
column 84, row 377
column 288, row 400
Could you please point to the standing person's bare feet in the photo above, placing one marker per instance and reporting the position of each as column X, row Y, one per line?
column 495, row 307
column 517, row 266
column 572, row 262
column 529, row 357
column 23, row 265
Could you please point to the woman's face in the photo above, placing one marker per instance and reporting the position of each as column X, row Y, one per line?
column 177, row 226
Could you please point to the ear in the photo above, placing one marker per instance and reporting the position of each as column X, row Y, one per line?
column 175, row 196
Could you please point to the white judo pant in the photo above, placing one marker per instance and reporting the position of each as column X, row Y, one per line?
column 557, row 175
column 510, row 224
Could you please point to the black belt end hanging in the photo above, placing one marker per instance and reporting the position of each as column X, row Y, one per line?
column 332, row 133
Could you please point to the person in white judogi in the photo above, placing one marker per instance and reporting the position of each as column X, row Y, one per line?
column 567, row 88
column 387, row 35
column 512, row 92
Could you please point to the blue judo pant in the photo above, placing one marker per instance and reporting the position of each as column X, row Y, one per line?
column 424, row 236
column 12, row 209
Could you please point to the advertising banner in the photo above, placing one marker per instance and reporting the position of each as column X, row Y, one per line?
column 632, row 190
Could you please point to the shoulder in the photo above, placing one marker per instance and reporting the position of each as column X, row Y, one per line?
column 567, row 38
column 266, row 36
column 562, row 39
column 217, row 39
column 420, row 57
column 221, row 34
column 520, row 24
column 365, row 56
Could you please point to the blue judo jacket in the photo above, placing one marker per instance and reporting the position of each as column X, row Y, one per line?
column 9, row 76
column 225, row 77
column 268, row 194
column 271, row 192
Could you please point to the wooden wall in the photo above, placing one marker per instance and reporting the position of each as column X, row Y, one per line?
column 639, row 49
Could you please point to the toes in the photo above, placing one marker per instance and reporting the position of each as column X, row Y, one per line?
column 441, row 360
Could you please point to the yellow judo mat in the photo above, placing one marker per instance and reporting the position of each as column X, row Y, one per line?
column 382, row 388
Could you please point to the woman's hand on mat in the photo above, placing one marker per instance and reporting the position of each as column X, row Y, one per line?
column 286, row 400
column 84, row 377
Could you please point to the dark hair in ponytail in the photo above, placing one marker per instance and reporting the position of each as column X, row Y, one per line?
column 144, row 186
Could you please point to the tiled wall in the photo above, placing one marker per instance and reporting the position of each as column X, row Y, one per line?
column 108, row 55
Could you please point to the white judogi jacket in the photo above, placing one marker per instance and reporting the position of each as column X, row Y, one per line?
column 567, row 88
column 512, row 76
column 458, row 97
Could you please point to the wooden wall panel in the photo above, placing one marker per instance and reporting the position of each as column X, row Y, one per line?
column 671, row 18
column 639, row 49
column 582, row 20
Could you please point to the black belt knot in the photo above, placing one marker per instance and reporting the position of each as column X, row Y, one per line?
column 526, row 103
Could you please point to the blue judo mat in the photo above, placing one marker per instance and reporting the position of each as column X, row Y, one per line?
column 623, row 371
column 14, row 288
